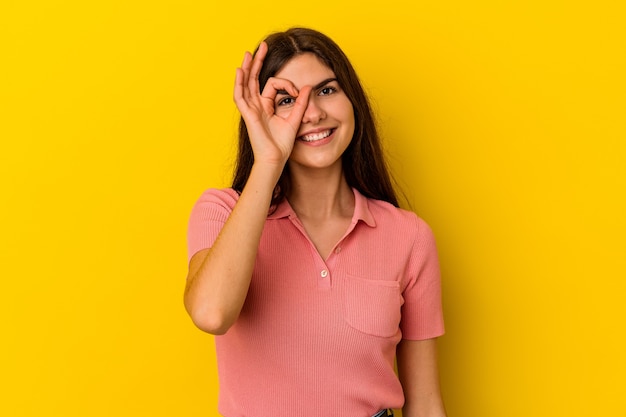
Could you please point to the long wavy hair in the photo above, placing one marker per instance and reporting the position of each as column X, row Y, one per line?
column 363, row 161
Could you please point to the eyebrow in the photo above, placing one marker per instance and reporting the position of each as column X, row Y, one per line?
column 316, row 87
column 323, row 83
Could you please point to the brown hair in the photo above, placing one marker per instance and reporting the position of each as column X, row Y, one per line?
column 364, row 165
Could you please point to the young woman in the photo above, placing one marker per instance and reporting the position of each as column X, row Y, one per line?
column 312, row 278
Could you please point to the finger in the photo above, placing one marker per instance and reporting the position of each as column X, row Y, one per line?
column 274, row 85
column 245, row 69
column 238, row 93
column 297, row 113
column 255, row 70
column 247, row 106
column 259, row 57
column 273, row 88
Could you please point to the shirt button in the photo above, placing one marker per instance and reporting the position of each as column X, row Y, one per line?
column 324, row 273
column 338, row 249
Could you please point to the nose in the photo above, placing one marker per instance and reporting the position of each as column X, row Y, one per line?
column 313, row 113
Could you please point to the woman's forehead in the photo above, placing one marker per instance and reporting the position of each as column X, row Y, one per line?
column 305, row 69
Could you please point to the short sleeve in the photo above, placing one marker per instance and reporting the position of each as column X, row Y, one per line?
column 208, row 216
column 422, row 314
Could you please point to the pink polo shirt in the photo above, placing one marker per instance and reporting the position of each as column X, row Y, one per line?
column 318, row 337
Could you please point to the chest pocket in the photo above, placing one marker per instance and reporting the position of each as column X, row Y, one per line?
column 371, row 306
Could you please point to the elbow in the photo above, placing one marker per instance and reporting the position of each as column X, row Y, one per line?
column 212, row 322
column 211, row 325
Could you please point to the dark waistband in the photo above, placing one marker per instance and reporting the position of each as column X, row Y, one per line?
column 384, row 413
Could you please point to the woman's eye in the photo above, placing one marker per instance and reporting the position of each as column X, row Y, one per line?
column 287, row 101
column 327, row 91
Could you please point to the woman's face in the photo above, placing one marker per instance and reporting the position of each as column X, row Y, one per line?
column 327, row 126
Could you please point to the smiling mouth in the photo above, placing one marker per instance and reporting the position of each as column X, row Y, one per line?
column 317, row 136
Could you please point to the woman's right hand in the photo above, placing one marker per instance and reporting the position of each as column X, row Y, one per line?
column 272, row 136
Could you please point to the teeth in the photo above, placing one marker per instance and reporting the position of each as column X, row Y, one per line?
column 316, row 136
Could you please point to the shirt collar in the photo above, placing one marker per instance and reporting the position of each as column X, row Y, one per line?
column 361, row 210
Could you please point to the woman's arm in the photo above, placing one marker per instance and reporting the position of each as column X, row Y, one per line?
column 419, row 375
column 219, row 277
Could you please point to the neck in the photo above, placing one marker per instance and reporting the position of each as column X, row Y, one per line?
column 321, row 195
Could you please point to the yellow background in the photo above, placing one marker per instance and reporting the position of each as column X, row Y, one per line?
column 504, row 122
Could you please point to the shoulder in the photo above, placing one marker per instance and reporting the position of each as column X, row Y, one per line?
column 214, row 204
column 208, row 216
column 389, row 216
column 403, row 226
column 222, row 197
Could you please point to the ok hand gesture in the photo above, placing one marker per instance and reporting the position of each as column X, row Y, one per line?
column 272, row 136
